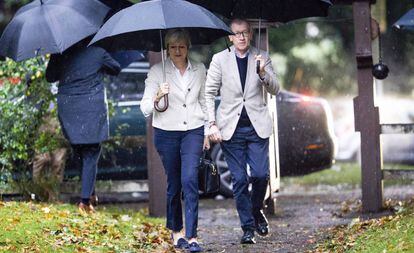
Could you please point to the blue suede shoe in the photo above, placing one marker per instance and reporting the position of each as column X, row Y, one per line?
column 194, row 247
column 181, row 244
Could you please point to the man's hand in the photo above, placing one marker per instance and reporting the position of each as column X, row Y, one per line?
column 214, row 134
column 163, row 90
column 206, row 144
column 262, row 71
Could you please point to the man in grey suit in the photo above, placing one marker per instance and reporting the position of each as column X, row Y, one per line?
column 242, row 123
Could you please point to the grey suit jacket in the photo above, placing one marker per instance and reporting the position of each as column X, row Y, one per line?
column 223, row 76
column 187, row 108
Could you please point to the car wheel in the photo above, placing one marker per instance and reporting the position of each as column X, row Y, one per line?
column 226, row 185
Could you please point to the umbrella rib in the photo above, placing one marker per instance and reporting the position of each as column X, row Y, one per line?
column 51, row 27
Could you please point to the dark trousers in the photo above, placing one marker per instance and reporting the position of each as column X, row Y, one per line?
column 180, row 153
column 246, row 147
column 89, row 155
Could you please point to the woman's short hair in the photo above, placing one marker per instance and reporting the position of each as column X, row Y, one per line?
column 177, row 35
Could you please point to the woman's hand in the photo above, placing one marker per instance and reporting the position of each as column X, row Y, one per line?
column 206, row 145
column 162, row 91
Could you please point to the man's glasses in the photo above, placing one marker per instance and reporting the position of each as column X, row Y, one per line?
column 241, row 34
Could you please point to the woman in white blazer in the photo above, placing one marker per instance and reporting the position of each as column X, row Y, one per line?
column 179, row 132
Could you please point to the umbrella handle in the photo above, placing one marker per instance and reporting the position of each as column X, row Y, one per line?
column 162, row 109
column 257, row 66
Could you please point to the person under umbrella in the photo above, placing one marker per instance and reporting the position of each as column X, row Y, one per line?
column 180, row 132
column 141, row 27
column 82, row 106
column 281, row 11
column 242, row 123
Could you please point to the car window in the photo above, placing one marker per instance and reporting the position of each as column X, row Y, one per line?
column 127, row 86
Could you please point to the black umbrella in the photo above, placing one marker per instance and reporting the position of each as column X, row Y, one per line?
column 406, row 22
column 272, row 11
column 141, row 26
column 50, row 26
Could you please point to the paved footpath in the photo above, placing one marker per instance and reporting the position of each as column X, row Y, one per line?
column 301, row 220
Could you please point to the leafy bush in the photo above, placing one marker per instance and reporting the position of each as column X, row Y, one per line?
column 26, row 109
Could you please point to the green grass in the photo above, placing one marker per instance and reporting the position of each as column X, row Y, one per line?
column 340, row 174
column 343, row 174
column 31, row 227
column 387, row 234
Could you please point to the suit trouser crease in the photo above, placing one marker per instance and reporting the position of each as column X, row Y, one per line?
column 246, row 147
column 180, row 153
column 89, row 155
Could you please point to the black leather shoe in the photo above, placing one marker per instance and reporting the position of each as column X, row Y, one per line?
column 181, row 244
column 194, row 247
column 262, row 229
column 262, row 225
column 248, row 237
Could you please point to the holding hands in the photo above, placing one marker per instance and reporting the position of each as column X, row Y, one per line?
column 214, row 134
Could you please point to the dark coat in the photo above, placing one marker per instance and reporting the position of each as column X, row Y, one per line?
column 81, row 99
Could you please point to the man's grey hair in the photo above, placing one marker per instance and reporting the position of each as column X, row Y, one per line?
column 241, row 21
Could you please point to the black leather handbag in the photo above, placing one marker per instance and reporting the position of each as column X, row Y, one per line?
column 208, row 175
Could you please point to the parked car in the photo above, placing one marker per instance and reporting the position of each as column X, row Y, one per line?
column 306, row 137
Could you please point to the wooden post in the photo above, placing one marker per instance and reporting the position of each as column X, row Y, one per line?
column 366, row 113
column 157, row 180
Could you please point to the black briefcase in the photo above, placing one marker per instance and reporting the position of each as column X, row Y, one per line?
column 208, row 175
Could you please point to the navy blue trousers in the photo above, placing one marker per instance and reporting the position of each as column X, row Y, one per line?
column 180, row 153
column 89, row 155
column 246, row 147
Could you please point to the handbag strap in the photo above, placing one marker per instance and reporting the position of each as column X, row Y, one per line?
column 206, row 154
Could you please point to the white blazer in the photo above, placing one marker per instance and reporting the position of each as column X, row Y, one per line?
column 223, row 75
column 186, row 108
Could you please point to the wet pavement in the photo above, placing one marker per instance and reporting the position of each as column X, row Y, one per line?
column 301, row 219
column 295, row 227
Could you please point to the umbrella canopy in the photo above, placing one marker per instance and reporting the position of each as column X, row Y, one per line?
column 406, row 22
column 272, row 11
column 139, row 26
column 50, row 26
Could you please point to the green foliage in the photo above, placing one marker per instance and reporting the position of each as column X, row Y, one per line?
column 25, row 105
column 314, row 59
column 16, row 2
